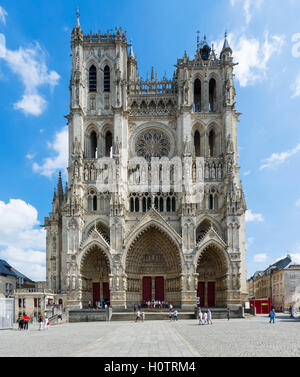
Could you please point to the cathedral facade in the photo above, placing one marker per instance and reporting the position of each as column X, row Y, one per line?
column 153, row 208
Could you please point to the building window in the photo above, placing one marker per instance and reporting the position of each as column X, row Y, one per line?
column 212, row 95
column 95, row 203
column 106, row 79
column 212, row 143
column 197, row 96
column 93, row 141
column 197, row 143
column 108, row 143
column 92, row 79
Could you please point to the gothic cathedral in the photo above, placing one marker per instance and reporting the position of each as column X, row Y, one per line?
column 153, row 208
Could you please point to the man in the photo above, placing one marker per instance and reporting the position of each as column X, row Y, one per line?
column 138, row 316
column 26, row 321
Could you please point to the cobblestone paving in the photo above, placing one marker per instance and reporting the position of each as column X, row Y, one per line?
column 237, row 337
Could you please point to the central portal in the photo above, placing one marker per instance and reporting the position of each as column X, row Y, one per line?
column 153, row 269
column 153, row 288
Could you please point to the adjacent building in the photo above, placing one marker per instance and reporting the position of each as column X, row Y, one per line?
column 280, row 281
column 10, row 279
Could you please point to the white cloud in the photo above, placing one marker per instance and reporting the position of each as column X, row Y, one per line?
column 250, row 217
column 253, row 56
column 277, row 159
column 249, row 6
column 31, row 104
column 22, row 241
column 60, row 161
column 30, row 65
column 260, row 258
column 3, row 15
column 296, row 87
column 295, row 258
column 249, row 242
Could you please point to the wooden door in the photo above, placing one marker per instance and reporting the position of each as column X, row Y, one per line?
column 147, row 288
column 96, row 293
column 211, row 293
column 106, row 292
column 200, row 292
column 159, row 288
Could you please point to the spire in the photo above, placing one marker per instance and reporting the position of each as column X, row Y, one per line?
column 78, row 15
column 226, row 44
column 60, row 191
column 198, row 40
column 131, row 54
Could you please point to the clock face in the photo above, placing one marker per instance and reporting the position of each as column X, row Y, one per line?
column 152, row 143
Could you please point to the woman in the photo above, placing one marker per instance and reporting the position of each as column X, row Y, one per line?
column 46, row 323
column 209, row 317
column 200, row 317
column 228, row 314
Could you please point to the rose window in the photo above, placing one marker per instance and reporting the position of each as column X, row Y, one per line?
column 153, row 143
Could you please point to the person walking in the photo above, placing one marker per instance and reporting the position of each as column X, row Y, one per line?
column 138, row 316
column 170, row 315
column 200, row 317
column 175, row 315
column 46, row 323
column 272, row 316
column 228, row 314
column 26, row 322
column 205, row 318
column 143, row 316
column 41, row 322
column 209, row 317
column 21, row 322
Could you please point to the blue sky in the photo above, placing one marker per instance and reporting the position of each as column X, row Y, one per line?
column 35, row 66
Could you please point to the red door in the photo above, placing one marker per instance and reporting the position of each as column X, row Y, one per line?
column 200, row 292
column 96, row 293
column 159, row 288
column 147, row 288
column 211, row 293
column 106, row 292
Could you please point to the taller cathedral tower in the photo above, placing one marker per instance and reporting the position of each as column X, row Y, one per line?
column 111, row 234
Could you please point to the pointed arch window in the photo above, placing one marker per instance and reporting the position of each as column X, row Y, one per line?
column 106, row 79
column 92, row 79
column 197, row 96
column 93, row 144
column 212, row 95
column 212, row 143
column 197, row 143
column 95, row 203
column 108, row 143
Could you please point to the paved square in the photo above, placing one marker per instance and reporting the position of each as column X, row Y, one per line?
column 238, row 337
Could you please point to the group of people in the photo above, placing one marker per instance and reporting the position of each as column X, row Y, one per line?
column 23, row 322
column 205, row 318
column 173, row 314
column 140, row 316
column 156, row 304
column 43, row 323
column 99, row 304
